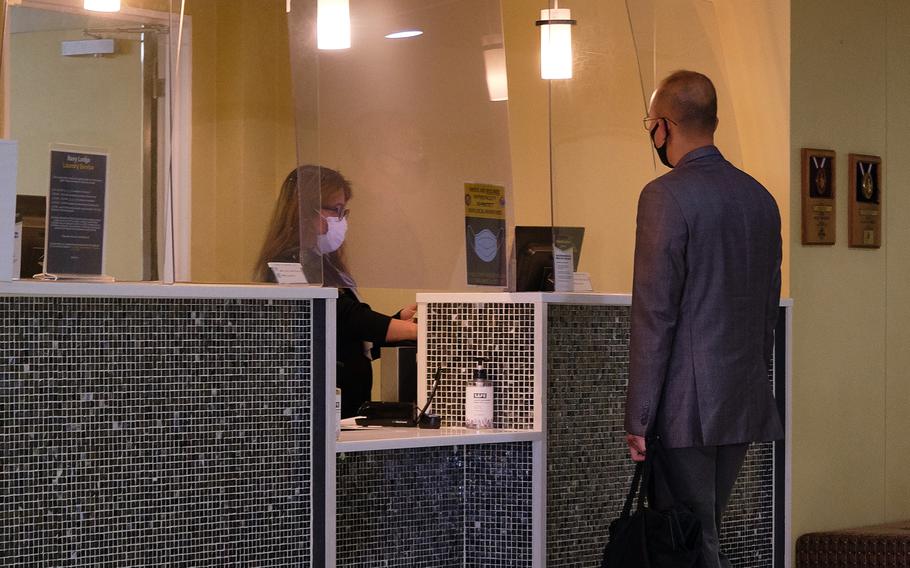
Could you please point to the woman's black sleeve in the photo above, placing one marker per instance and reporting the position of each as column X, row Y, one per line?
column 356, row 321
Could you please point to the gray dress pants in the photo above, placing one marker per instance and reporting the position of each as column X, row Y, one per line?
column 701, row 478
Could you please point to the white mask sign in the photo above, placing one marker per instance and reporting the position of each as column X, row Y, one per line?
column 485, row 232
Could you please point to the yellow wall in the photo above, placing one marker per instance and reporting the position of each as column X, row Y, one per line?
column 851, row 393
column 94, row 102
column 243, row 131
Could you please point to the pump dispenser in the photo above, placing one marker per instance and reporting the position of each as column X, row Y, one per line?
column 478, row 404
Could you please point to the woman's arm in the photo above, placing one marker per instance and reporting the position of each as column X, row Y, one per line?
column 401, row 330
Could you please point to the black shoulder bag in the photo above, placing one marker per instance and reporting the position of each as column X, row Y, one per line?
column 652, row 539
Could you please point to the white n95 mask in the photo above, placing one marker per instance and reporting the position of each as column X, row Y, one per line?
column 334, row 237
column 486, row 244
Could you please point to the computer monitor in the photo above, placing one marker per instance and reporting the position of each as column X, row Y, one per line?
column 534, row 255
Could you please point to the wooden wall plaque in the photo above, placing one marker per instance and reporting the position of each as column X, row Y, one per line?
column 819, row 217
column 865, row 198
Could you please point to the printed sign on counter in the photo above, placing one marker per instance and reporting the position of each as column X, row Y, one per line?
column 485, row 233
column 9, row 159
column 75, row 213
column 563, row 275
column 288, row 272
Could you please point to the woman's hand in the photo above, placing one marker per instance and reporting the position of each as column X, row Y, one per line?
column 407, row 313
column 400, row 330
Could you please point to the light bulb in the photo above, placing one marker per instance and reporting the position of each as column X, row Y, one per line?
column 333, row 24
column 556, row 43
column 102, row 5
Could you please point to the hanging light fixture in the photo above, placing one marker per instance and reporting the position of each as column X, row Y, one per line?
column 556, row 43
column 333, row 24
column 102, row 5
column 494, row 62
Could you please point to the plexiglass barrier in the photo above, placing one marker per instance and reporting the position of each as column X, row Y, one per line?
column 207, row 106
column 95, row 85
column 409, row 113
column 602, row 156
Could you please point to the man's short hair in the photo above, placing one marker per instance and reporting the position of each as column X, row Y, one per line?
column 690, row 99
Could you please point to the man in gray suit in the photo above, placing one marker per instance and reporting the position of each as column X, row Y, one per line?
column 705, row 298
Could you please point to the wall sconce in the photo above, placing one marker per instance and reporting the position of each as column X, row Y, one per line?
column 494, row 62
column 333, row 24
column 556, row 43
column 102, row 5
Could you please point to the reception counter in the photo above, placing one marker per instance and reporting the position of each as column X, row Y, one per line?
column 541, row 487
column 191, row 425
column 156, row 425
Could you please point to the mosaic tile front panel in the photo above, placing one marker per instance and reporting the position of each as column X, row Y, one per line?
column 503, row 335
column 498, row 505
column 434, row 507
column 155, row 432
column 588, row 467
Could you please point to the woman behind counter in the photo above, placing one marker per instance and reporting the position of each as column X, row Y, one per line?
column 360, row 330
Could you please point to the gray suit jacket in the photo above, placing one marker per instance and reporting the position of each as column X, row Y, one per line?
column 705, row 299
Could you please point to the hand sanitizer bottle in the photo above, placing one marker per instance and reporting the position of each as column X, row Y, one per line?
column 478, row 403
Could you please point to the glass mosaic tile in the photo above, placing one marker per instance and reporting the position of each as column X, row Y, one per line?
column 155, row 432
column 500, row 333
column 435, row 507
column 588, row 467
column 498, row 505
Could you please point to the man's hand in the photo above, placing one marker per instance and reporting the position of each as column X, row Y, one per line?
column 636, row 447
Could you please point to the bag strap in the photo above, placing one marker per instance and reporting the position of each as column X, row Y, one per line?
column 652, row 448
column 641, row 478
column 633, row 490
column 645, row 478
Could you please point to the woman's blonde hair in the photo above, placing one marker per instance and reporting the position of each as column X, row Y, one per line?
column 304, row 189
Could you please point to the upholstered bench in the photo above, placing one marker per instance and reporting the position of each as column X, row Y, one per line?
column 882, row 546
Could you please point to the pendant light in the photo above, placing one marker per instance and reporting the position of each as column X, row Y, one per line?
column 556, row 43
column 333, row 24
column 102, row 5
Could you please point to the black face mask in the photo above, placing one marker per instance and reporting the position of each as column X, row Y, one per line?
column 662, row 151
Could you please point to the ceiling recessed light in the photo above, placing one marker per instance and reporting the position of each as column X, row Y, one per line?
column 403, row 34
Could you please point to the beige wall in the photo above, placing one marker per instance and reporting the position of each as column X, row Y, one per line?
column 897, row 263
column 850, row 93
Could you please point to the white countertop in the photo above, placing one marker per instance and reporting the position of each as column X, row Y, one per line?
column 525, row 297
column 158, row 290
column 536, row 298
column 394, row 438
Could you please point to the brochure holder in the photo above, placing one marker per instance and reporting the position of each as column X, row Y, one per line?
column 76, row 209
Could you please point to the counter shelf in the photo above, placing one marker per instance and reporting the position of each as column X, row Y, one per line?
column 396, row 438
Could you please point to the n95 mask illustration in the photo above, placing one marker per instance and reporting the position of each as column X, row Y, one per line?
column 486, row 243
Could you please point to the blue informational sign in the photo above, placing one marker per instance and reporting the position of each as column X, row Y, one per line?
column 75, row 213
